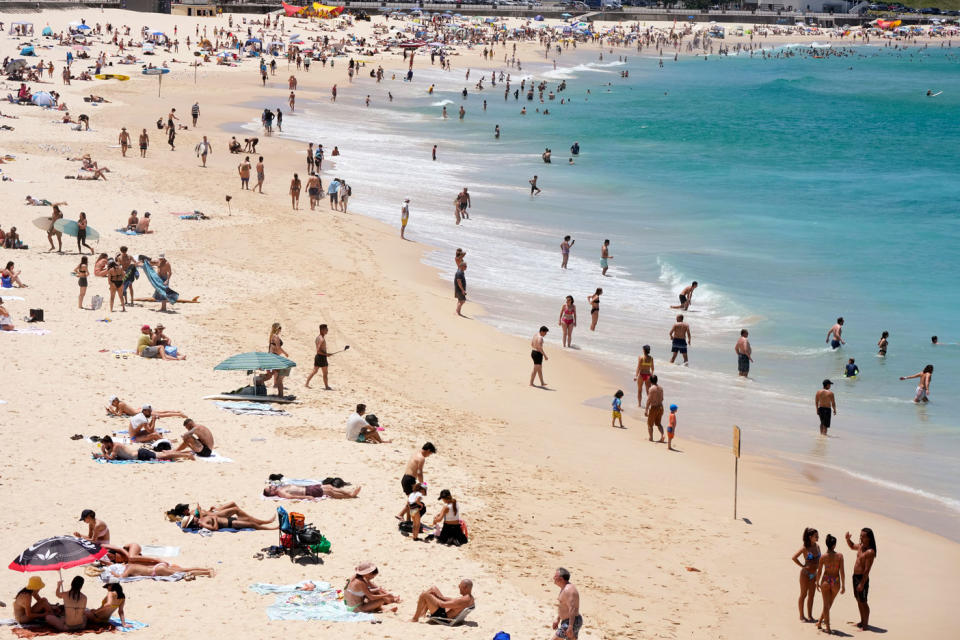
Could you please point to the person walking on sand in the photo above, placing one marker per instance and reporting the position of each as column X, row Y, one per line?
column 830, row 580
column 275, row 346
column 617, row 409
column 320, row 358
column 203, row 150
column 124, row 140
column 866, row 554
column 825, row 402
column 681, row 338
column 644, row 371
column 923, row 389
column 594, row 301
column 567, row 321
column 744, row 353
column 460, row 286
column 404, row 217
column 565, row 247
column 538, row 355
column 810, row 552
column 654, row 409
column 144, row 143
column 195, row 113
column 82, row 233
column 605, row 257
column 295, row 188
column 313, row 190
column 569, row 621
column 835, row 334
column 686, row 297
column 260, row 176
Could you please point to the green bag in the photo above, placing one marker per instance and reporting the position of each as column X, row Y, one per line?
column 322, row 547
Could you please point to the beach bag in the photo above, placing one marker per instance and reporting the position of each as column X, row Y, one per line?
column 297, row 520
column 96, row 302
column 324, row 546
column 502, row 635
column 286, row 540
column 36, row 315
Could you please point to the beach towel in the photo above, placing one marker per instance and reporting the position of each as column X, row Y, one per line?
column 30, row 331
column 265, row 588
column 214, row 457
column 159, row 551
column 112, row 627
column 314, row 605
column 251, row 408
column 104, row 461
column 176, row 577
column 161, row 292
column 129, row 232
column 207, row 532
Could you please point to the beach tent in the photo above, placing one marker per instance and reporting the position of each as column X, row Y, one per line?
column 27, row 51
column 84, row 27
column 42, row 99
column 47, row 31
column 22, row 28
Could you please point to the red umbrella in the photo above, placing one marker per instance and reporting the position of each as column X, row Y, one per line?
column 412, row 45
column 60, row 552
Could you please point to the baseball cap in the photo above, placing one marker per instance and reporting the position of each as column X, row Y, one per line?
column 444, row 494
column 86, row 513
column 673, row 407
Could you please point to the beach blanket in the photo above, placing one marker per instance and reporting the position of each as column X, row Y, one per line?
column 320, row 603
column 215, row 458
column 129, row 232
column 161, row 292
column 207, row 532
column 104, row 461
column 251, row 408
column 112, row 627
column 159, row 551
column 33, row 332
column 176, row 577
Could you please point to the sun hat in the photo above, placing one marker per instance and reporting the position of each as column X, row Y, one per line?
column 145, row 327
column 35, row 583
column 113, row 399
column 366, row 568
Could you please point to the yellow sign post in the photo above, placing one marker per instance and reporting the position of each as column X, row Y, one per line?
column 736, row 466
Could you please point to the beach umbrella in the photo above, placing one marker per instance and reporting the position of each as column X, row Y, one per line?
column 565, row 15
column 411, row 45
column 59, row 552
column 255, row 360
column 156, row 71
column 83, row 27
column 14, row 65
column 42, row 99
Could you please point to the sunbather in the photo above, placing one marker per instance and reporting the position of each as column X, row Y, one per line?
column 214, row 522
column 161, row 569
column 436, row 605
column 74, row 616
column 93, row 174
column 6, row 324
column 225, row 510
column 297, row 492
column 9, row 277
column 111, row 450
column 198, row 439
column 361, row 594
column 28, row 606
column 118, row 407
column 112, row 602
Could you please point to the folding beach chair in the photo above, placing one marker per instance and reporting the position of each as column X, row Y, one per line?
column 291, row 537
column 452, row 622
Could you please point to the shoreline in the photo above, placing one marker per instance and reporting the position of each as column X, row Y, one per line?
column 637, row 518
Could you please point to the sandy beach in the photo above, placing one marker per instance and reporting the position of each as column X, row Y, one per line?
column 542, row 479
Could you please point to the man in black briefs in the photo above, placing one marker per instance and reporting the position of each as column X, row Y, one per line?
column 197, row 438
column 413, row 474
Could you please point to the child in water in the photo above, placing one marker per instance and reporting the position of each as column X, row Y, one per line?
column 672, row 427
column 617, row 409
column 851, row 370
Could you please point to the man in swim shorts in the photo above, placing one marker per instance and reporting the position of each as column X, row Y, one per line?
column 654, row 408
column 320, row 358
column 686, row 296
column 413, row 474
column 198, row 439
column 605, row 257
column 744, row 353
column 825, row 402
column 835, row 334
column 681, row 337
column 569, row 621
column 538, row 355
column 437, row 605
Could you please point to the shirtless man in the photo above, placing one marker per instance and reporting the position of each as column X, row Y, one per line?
column 565, row 247
column 866, row 553
column 113, row 451
column 320, row 358
column 97, row 531
column 413, row 474
column 204, row 149
column 825, row 401
column 654, row 407
column 568, row 620
column 244, row 170
column 132, row 221
column 164, row 270
column 686, row 297
column 682, row 338
column 433, row 603
column 143, row 225
column 461, row 203
column 834, row 335
column 124, row 140
column 314, row 187
column 297, row 492
column 605, row 257
column 118, row 407
column 126, row 261
column 538, row 355
column 923, row 389
column 144, row 143
column 744, row 353
column 198, row 439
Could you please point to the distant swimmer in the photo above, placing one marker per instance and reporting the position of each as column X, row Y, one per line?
column 923, row 389
column 934, row 340
column 565, row 247
column 851, row 370
column 534, row 189
column 575, row 148
column 496, row 132
column 744, row 353
column 931, row 94
column 546, row 155
column 681, row 338
column 686, row 296
column 825, row 402
column 605, row 257
column 882, row 343
column 834, row 335
column 570, row 161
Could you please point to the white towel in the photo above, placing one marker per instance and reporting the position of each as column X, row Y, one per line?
column 159, row 551
column 215, row 457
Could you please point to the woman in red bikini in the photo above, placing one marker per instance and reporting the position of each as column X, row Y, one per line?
column 644, row 371
column 568, row 320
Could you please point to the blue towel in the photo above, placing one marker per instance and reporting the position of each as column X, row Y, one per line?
column 103, row 461
column 134, row 625
column 208, row 532
column 161, row 292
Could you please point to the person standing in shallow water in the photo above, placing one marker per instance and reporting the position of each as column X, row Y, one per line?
column 923, row 388
column 835, row 334
column 594, row 301
column 605, row 257
column 565, row 247
column 825, row 401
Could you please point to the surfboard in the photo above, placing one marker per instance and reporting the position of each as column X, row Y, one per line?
column 71, row 228
column 231, row 396
column 934, row 95
column 112, row 76
column 43, row 223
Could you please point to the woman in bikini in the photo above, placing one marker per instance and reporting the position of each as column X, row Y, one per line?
column 594, row 301
column 644, row 371
column 82, row 233
column 115, row 277
column 567, row 321
column 100, row 266
column 158, row 570
column 808, row 571
column 295, row 188
column 361, row 594
column 276, row 347
column 113, row 601
column 830, row 580
column 74, row 607
column 82, row 273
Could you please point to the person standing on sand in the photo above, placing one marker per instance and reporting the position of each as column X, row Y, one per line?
column 835, row 334
column 923, row 389
column 644, row 371
column 82, row 272
column 320, row 359
column 460, row 286
column 744, row 353
column 654, row 408
column 866, row 554
column 203, row 150
column 260, row 176
column 569, row 621
column 538, row 355
column 831, row 580
column 295, row 187
column 244, row 170
column 594, row 301
column 404, row 217
column 686, row 297
column 292, row 100
column 171, row 137
column 605, row 257
column 567, row 321
column 413, row 475
column 810, row 552
column 144, row 143
column 124, row 141
column 195, row 113
column 681, row 337
column 825, row 401
column 82, row 233
column 617, row 407
column 565, row 247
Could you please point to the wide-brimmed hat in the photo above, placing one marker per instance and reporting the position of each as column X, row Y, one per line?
column 35, row 583
column 366, row 568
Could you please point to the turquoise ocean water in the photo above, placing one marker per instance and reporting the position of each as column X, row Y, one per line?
column 794, row 190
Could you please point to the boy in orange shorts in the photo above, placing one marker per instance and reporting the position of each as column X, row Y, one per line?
column 672, row 427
